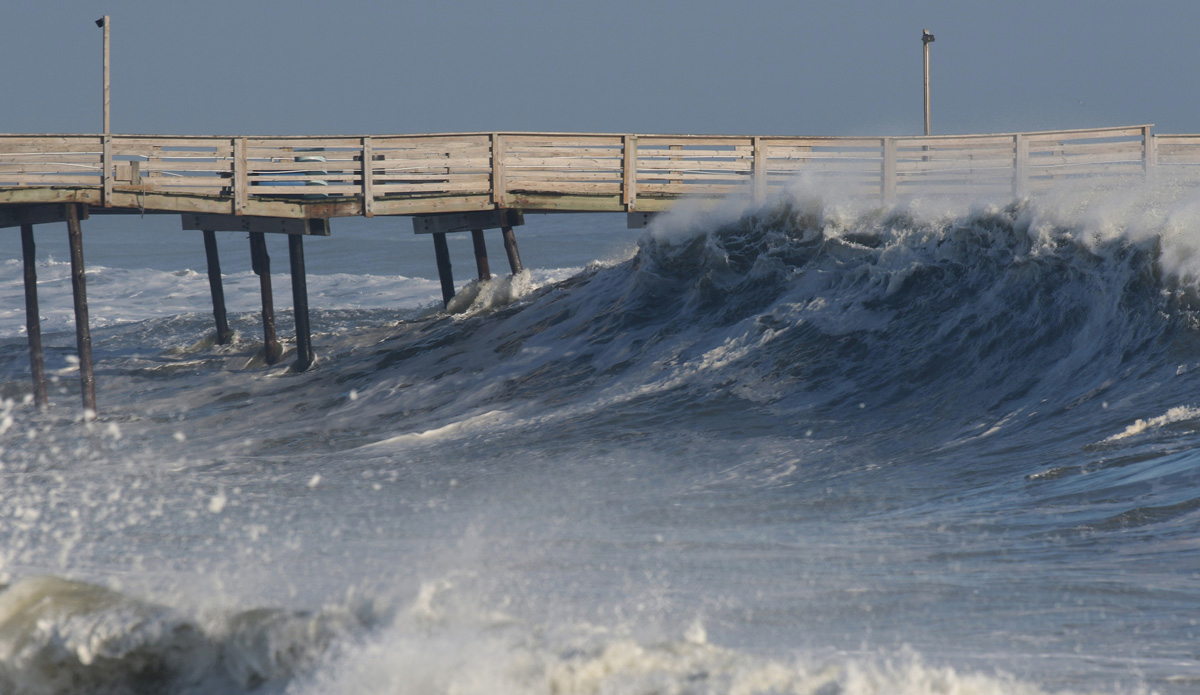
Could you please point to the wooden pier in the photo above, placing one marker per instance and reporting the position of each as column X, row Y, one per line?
column 476, row 181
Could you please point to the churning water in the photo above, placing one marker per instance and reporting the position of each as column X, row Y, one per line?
column 808, row 447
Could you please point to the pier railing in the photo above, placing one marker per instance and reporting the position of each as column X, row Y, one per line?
column 422, row 174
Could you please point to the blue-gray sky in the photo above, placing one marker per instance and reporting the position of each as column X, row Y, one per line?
column 702, row 66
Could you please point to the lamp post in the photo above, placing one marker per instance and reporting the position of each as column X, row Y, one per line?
column 926, row 39
column 105, row 23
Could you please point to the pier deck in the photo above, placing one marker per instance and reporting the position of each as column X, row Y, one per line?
column 476, row 181
column 325, row 177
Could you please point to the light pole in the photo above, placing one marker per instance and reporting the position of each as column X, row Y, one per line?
column 105, row 23
column 926, row 39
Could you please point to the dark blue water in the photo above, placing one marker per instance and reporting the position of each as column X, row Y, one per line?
column 804, row 448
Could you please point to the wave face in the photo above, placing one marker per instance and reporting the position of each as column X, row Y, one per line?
column 802, row 448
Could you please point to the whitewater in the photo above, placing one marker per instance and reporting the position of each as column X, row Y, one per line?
column 812, row 446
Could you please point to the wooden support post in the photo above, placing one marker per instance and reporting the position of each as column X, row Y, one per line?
column 481, row 259
column 1149, row 152
column 443, row 265
column 889, row 171
column 304, row 354
column 33, row 322
column 628, row 173
column 214, row 285
column 510, row 247
column 759, row 165
column 241, row 187
column 260, row 262
column 83, row 335
column 499, row 185
column 368, row 193
column 1020, row 166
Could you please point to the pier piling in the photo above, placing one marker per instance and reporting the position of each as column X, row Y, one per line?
column 214, row 285
column 33, row 323
column 83, row 335
column 304, row 354
column 445, row 273
column 510, row 247
column 481, row 258
column 260, row 262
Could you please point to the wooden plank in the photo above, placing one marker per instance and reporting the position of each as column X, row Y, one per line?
column 569, row 152
column 480, row 180
column 652, row 141
column 566, row 187
column 957, row 154
column 414, row 206
column 687, row 189
column 7, row 168
column 33, row 158
column 696, row 155
column 685, row 165
column 464, row 187
column 1091, row 147
column 71, row 179
column 918, row 167
column 966, row 142
column 273, row 225
column 562, row 175
column 521, row 142
column 306, row 142
column 430, row 156
column 1068, row 136
column 1043, row 160
column 444, row 223
column 511, row 162
column 598, row 203
column 19, row 215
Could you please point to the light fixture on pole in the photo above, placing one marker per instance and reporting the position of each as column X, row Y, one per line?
column 926, row 39
column 105, row 23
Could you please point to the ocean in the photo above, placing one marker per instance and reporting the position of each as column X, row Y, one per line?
column 813, row 446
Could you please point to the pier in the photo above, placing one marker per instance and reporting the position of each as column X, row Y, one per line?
column 473, row 182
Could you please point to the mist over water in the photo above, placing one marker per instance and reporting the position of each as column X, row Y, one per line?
column 810, row 447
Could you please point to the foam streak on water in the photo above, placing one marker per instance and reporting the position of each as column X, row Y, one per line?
column 810, row 448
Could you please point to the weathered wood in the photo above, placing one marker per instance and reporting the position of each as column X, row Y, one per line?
column 215, row 287
column 568, row 187
column 465, row 222
column 510, row 248
column 33, row 320
column 629, row 174
column 368, row 172
column 22, row 215
column 416, row 174
column 516, row 178
column 106, row 144
column 83, row 333
column 270, row 225
column 240, row 185
column 445, row 273
column 499, row 187
column 481, row 257
column 888, row 171
column 759, row 171
column 304, row 353
column 260, row 263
